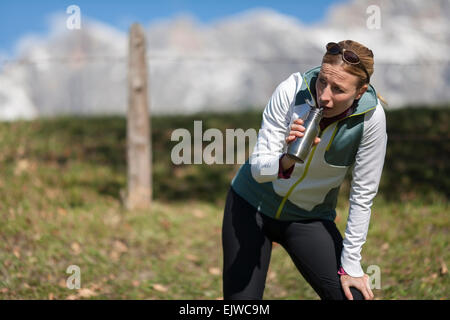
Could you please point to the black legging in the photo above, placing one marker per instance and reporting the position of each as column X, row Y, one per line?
column 315, row 247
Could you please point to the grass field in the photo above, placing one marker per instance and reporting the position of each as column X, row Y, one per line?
column 61, row 183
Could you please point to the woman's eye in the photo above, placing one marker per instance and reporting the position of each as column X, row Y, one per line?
column 322, row 81
column 338, row 89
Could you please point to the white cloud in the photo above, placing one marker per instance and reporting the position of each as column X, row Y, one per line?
column 231, row 64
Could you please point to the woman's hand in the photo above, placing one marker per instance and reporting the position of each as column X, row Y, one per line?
column 297, row 129
column 360, row 283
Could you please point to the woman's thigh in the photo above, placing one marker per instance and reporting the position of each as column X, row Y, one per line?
column 246, row 250
column 315, row 248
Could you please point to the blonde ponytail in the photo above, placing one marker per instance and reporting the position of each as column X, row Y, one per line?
column 383, row 101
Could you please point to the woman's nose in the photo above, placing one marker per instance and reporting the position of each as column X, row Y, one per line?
column 324, row 96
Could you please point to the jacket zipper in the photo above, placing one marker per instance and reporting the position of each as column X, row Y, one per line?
column 311, row 155
column 281, row 206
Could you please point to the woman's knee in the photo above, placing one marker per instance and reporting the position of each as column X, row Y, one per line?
column 337, row 293
column 357, row 295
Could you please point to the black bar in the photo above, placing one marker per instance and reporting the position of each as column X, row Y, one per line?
column 216, row 309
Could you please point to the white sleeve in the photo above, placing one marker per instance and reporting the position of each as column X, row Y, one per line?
column 366, row 176
column 270, row 143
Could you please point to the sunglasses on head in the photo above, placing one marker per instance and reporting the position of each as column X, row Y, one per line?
column 347, row 55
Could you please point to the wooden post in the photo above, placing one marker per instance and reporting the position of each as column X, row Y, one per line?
column 138, row 125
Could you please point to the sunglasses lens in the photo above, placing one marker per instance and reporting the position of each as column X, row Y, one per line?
column 351, row 57
column 347, row 56
column 333, row 48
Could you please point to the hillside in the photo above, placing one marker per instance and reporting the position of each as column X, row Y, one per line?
column 60, row 205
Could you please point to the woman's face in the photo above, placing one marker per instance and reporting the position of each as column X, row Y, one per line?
column 336, row 89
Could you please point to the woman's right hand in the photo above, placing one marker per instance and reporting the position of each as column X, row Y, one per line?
column 297, row 130
column 360, row 283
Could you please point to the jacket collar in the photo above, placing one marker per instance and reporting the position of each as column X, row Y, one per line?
column 367, row 102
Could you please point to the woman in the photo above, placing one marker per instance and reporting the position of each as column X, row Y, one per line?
column 274, row 199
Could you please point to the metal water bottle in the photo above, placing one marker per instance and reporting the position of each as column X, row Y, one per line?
column 299, row 149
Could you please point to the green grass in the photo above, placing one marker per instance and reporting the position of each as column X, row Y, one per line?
column 60, row 204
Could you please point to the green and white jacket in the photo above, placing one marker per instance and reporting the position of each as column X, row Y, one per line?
column 356, row 143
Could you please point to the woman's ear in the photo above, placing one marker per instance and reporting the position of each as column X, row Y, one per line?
column 361, row 91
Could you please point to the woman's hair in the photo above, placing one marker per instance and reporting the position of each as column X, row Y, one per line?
column 365, row 56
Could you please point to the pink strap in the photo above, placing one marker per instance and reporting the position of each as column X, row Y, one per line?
column 342, row 272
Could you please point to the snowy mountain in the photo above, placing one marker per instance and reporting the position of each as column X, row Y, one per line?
column 234, row 63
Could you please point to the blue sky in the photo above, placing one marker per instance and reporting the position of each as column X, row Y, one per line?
column 20, row 17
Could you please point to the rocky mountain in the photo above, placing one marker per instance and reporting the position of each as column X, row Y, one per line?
column 232, row 64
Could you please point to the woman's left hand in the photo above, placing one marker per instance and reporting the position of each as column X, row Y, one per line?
column 360, row 283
